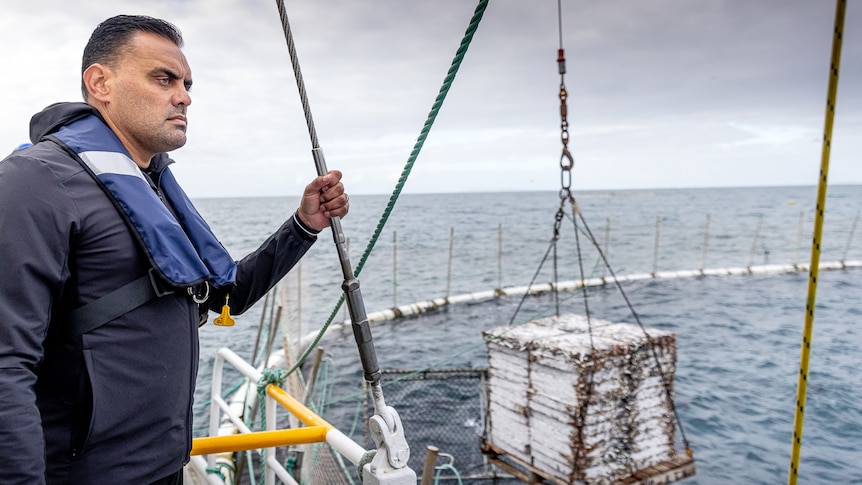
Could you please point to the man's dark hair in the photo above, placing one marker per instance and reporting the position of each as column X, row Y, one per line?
column 113, row 35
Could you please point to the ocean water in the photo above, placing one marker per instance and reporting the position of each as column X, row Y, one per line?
column 738, row 337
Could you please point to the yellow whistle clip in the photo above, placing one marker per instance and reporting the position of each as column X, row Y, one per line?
column 225, row 320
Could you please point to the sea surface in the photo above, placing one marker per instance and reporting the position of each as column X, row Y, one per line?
column 739, row 337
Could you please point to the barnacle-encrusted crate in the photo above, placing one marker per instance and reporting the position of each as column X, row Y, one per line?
column 581, row 406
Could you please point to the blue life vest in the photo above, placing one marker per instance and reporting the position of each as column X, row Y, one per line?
column 183, row 250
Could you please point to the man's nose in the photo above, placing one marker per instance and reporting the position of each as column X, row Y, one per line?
column 182, row 97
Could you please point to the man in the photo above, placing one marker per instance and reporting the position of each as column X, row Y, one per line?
column 107, row 267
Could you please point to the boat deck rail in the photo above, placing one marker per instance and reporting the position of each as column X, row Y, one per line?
column 237, row 436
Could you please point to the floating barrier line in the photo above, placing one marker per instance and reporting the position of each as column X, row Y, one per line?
column 426, row 306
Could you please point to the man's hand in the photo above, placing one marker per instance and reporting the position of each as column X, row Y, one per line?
column 323, row 199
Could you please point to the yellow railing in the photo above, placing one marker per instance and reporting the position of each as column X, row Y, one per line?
column 259, row 439
column 228, row 433
column 314, row 433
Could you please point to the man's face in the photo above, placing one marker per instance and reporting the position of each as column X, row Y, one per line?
column 148, row 102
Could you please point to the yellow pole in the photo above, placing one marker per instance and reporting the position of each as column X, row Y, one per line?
column 802, row 387
column 295, row 407
column 315, row 432
column 260, row 439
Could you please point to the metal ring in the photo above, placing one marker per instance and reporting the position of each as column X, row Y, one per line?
column 566, row 160
column 200, row 299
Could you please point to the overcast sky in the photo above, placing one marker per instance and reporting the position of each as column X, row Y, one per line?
column 662, row 93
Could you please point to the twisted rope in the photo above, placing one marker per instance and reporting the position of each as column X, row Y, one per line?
column 405, row 173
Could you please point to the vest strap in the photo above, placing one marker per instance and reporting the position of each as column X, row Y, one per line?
column 115, row 304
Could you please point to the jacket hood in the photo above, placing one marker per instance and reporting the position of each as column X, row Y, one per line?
column 52, row 118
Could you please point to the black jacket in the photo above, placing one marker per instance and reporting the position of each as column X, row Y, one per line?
column 113, row 405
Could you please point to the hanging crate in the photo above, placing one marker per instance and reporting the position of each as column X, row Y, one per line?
column 575, row 406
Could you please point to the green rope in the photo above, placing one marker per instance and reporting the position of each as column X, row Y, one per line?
column 340, row 459
column 268, row 376
column 366, row 459
column 252, row 479
column 417, row 147
column 223, row 470
column 290, row 464
column 447, row 467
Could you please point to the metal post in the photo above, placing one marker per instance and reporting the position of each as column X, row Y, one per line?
column 754, row 242
column 655, row 251
column 607, row 244
column 273, row 329
column 312, row 378
column 394, row 269
column 430, row 465
column 799, row 237
column 556, row 280
column 500, row 256
column 449, row 271
column 850, row 237
column 705, row 244
column 260, row 327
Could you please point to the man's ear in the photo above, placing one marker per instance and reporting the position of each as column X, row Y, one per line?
column 97, row 80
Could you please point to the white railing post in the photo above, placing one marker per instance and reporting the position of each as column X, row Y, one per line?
column 218, row 366
column 271, row 425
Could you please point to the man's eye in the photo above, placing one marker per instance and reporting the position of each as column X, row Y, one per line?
column 164, row 81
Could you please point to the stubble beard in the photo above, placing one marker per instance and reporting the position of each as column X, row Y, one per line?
column 168, row 138
column 175, row 139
